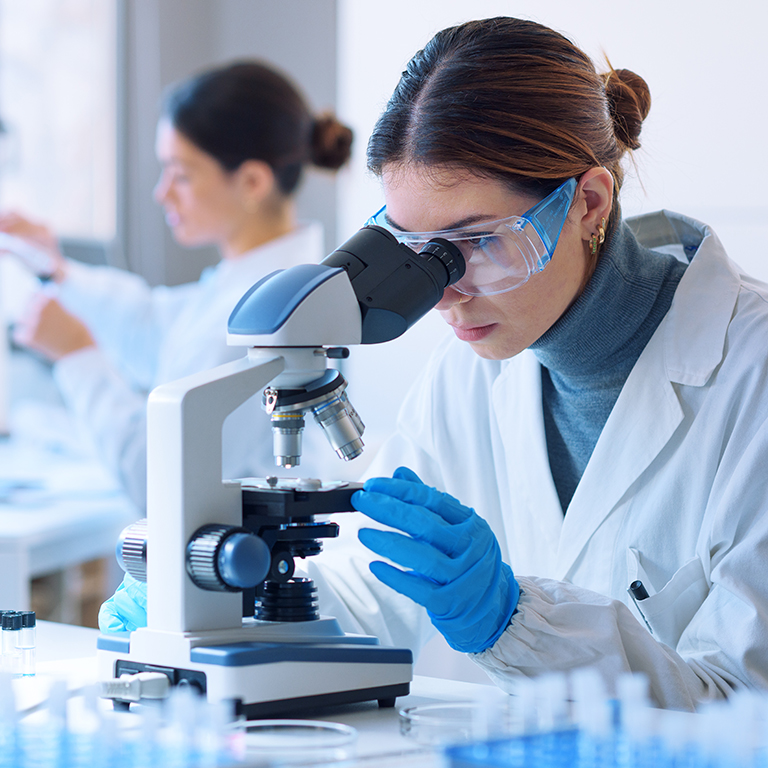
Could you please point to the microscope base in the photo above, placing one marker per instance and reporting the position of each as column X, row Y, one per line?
column 268, row 679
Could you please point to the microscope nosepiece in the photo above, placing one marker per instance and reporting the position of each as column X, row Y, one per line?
column 330, row 406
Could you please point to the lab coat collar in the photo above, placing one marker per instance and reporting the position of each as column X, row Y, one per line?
column 687, row 347
column 707, row 292
column 521, row 423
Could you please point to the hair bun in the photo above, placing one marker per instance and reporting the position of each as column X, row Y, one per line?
column 331, row 142
column 629, row 101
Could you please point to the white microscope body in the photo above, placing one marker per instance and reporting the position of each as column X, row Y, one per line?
column 199, row 557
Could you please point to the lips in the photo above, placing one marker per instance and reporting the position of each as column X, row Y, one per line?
column 172, row 219
column 474, row 333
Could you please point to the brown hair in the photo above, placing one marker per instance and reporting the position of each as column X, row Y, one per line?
column 514, row 100
column 250, row 111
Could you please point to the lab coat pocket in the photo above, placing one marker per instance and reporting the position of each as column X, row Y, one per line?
column 669, row 611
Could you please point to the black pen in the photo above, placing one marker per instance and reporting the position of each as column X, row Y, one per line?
column 638, row 593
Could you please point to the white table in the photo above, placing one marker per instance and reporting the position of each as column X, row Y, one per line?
column 58, row 508
column 68, row 651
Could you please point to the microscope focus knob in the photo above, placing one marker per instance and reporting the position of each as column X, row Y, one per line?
column 131, row 549
column 225, row 558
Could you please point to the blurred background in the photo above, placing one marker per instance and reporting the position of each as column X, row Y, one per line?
column 81, row 80
column 80, row 83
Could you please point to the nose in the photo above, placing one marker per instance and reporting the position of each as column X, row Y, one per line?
column 451, row 297
column 160, row 192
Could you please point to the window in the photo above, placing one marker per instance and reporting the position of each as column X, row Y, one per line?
column 58, row 63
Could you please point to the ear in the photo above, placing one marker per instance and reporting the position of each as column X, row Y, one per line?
column 595, row 193
column 256, row 181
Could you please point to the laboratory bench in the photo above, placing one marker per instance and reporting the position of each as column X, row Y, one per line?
column 69, row 652
column 601, row 735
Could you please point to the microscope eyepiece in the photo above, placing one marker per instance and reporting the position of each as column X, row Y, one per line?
column 448, row 255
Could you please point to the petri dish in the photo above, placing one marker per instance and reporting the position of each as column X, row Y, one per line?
column 446, row 723
column 286, row 741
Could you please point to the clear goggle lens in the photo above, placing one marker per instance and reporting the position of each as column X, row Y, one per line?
column 500, row 255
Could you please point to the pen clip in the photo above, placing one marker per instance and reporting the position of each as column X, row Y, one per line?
column 638, row 593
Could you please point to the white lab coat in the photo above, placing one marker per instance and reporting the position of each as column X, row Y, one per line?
column 150, row 336
column 675, row 494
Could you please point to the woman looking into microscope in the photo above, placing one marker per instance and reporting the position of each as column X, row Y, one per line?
column 233, row 144
column 602, row 406
column 600, row 417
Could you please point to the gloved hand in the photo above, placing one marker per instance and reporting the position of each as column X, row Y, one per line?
column 453, row 559
column 126, row 610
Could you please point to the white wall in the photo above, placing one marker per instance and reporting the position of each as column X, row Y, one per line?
column 704, row 149
column 704, row 141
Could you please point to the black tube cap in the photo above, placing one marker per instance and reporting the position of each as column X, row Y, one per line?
column 11, row 620
column 28, row 619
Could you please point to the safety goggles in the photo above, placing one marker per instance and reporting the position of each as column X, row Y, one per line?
column 500, row 255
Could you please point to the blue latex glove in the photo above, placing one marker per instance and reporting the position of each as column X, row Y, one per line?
column 126, row 610
column 453, row 559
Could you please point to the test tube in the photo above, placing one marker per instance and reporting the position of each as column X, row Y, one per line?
column 10, row 628
column 27, row 642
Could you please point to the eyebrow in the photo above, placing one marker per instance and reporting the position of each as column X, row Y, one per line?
column 467, row 221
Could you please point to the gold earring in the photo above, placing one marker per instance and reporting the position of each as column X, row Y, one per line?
column 597, row 239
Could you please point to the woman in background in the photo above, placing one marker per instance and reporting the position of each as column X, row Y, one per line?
column 232, row 144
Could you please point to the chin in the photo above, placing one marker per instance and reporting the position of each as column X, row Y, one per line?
column 189, row 239
column 494, row 352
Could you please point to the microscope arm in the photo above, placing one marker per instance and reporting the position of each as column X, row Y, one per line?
column 199, row 544
column 185, row 489
column 368, row 291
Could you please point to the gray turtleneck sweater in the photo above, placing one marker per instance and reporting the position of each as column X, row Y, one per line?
column 587, row 355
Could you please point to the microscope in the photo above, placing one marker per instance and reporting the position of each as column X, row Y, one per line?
column 225, row 613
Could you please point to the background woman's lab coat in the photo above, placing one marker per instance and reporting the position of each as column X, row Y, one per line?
column 150, row 336
column 675, row 494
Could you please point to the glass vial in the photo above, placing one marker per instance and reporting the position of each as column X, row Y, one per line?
column 27, row 642
column 10, row 637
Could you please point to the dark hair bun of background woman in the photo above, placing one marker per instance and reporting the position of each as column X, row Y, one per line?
column 331, row 142
column 629, row 100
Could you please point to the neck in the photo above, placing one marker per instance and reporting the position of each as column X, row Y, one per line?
column 259, row 229
column 618, row 311
column 588, row 354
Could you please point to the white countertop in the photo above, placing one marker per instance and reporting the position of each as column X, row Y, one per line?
column 65, row 651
